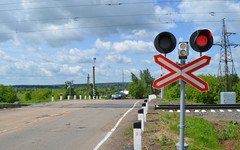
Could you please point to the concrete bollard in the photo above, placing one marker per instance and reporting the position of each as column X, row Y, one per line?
column 140, row 117
column 61, row 97
column 89, row 97
column 137, row 135
column 85, row 97
column 52, row 98
column 146, row 101
column 100, row 97
column 144, row 112
column 75, row 97
column 93, row 97
column 152, row 96
column 68, row 97
column 80, row 97
column 96, row 97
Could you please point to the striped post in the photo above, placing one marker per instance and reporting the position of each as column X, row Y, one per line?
column 144, row 112
column 52, row 98
column 140, row 117
column 137, row 135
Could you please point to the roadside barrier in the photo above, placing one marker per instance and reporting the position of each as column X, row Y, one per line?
column 69, row 97
column 61, row 97
column 138, row 126
column 137, row 135
column 52, row 98
column 141, row 117
column 75, row 97
column 144, row 112
column 146, row 101
column 152, row 96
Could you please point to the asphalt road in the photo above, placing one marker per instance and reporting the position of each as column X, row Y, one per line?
column 67, row 125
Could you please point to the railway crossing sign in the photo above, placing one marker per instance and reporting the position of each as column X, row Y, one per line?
column 181, row 72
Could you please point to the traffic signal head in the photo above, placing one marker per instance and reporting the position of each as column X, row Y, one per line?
column 165, row 42
column 183, row 50
column 201, row 40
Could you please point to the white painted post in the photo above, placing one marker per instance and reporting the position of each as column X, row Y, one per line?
column 146, row 101
column 52, row 98
column 140, row 117
column 137, row 135
column 75, row 97
column 93, row 97
column 61, row 97
column 80, row 97
column 96, row 97
column 152, row 96
column 68, row 97
column 89, row 97
column 100, row 97
column 144, row 112
column 85, row 97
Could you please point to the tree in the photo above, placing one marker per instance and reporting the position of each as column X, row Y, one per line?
column 146, row 77
column 27, row 96
column 8, row 94
column 137, row 87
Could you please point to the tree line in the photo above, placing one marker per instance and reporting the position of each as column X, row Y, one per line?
column 139, row 88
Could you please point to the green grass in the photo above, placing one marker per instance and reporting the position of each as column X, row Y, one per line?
column 201, row 134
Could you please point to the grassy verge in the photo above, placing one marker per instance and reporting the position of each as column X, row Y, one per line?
column 161, row 132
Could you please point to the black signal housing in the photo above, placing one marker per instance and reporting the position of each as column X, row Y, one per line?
column 201, row 40
column 165, row 42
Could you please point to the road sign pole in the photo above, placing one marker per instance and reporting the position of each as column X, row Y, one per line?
column 181, row 145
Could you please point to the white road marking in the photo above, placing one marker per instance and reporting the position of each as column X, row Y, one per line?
column 113, row 129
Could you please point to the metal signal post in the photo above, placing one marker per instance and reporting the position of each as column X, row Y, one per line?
column 165, row 42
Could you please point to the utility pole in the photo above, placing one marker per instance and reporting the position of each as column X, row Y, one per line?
column 226, row 57
column 94, row 59
column 88, row 84
column 123, row 87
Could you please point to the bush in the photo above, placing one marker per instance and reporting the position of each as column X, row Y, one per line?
column 27, row 96
column 41, row 94
column 8, row 94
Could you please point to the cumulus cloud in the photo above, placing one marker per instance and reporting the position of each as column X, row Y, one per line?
column 126, row 46
column 117, row 59
column 75, row 55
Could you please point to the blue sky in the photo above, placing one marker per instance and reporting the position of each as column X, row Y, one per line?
column 52, row 41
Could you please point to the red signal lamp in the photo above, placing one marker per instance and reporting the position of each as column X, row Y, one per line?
column 201, row 40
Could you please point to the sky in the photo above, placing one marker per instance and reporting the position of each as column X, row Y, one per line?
column 45, row 42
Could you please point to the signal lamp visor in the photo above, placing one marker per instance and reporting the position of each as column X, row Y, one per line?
column 201, row 40
column 165, row 42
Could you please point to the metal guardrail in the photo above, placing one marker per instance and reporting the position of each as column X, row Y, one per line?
column 2, row 106
column 202, row 106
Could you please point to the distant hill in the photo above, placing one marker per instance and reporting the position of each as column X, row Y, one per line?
column 59, row 86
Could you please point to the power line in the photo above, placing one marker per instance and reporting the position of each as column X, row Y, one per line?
column 163, row 1
column 110, row 26
column 99, row 4
column 109, row 16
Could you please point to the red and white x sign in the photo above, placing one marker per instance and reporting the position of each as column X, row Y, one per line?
column 181, row 72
